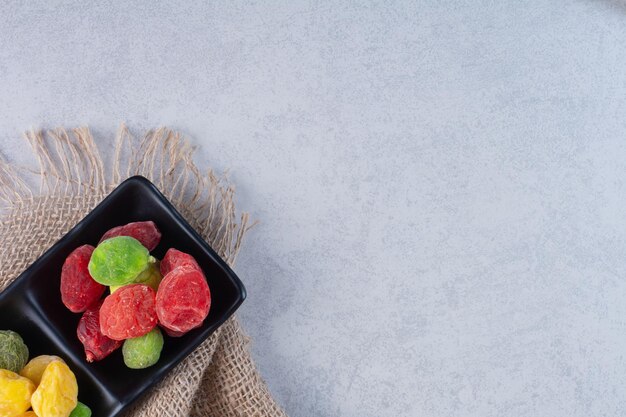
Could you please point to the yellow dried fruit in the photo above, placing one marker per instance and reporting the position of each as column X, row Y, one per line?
column 57, row 394
column 15, row 393
column 36, row 366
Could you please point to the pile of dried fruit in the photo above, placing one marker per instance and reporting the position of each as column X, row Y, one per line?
column 144, row 294
column 45, row 383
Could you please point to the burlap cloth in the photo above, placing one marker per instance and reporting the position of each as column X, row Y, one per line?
column 217, row 379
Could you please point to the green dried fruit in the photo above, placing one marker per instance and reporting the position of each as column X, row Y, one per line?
column 119, row 260
column 13, row 351
column 151, row 277
column 142, row 352
column 81, row 410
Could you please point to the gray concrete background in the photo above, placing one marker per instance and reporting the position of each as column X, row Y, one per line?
column 441, row 185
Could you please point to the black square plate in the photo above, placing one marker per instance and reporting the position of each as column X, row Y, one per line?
column 32, row 305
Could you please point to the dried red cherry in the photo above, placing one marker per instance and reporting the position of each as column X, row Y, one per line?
column 146, row 233
column 183, row 300
column 174, row 258
column 128, row 312
column 97, row 346
column 172, row 333
column 78, row 288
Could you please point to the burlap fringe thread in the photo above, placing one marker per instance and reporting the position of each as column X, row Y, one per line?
column 217, row 379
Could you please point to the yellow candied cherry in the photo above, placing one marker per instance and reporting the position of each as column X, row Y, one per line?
column 15, row 393
column 57, row 394
column 36, row 366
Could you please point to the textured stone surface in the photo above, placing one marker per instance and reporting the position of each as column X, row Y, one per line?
column 441, row 186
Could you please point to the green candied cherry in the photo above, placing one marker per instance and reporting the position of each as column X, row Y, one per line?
column 81, row 410
column 118, row 261
column 151, row 277
column 13, row 351
column 144, row 351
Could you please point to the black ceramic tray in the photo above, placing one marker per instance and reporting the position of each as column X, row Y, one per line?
column 32, row 305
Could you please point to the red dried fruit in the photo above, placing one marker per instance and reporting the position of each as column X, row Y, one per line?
column 78, row 288
column 128, row 312
column 172, row 333
column 97, row 346
column 145, row 232
column 183, row 300
column 174, row 258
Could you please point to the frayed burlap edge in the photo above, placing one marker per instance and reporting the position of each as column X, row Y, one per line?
column 217, row 379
